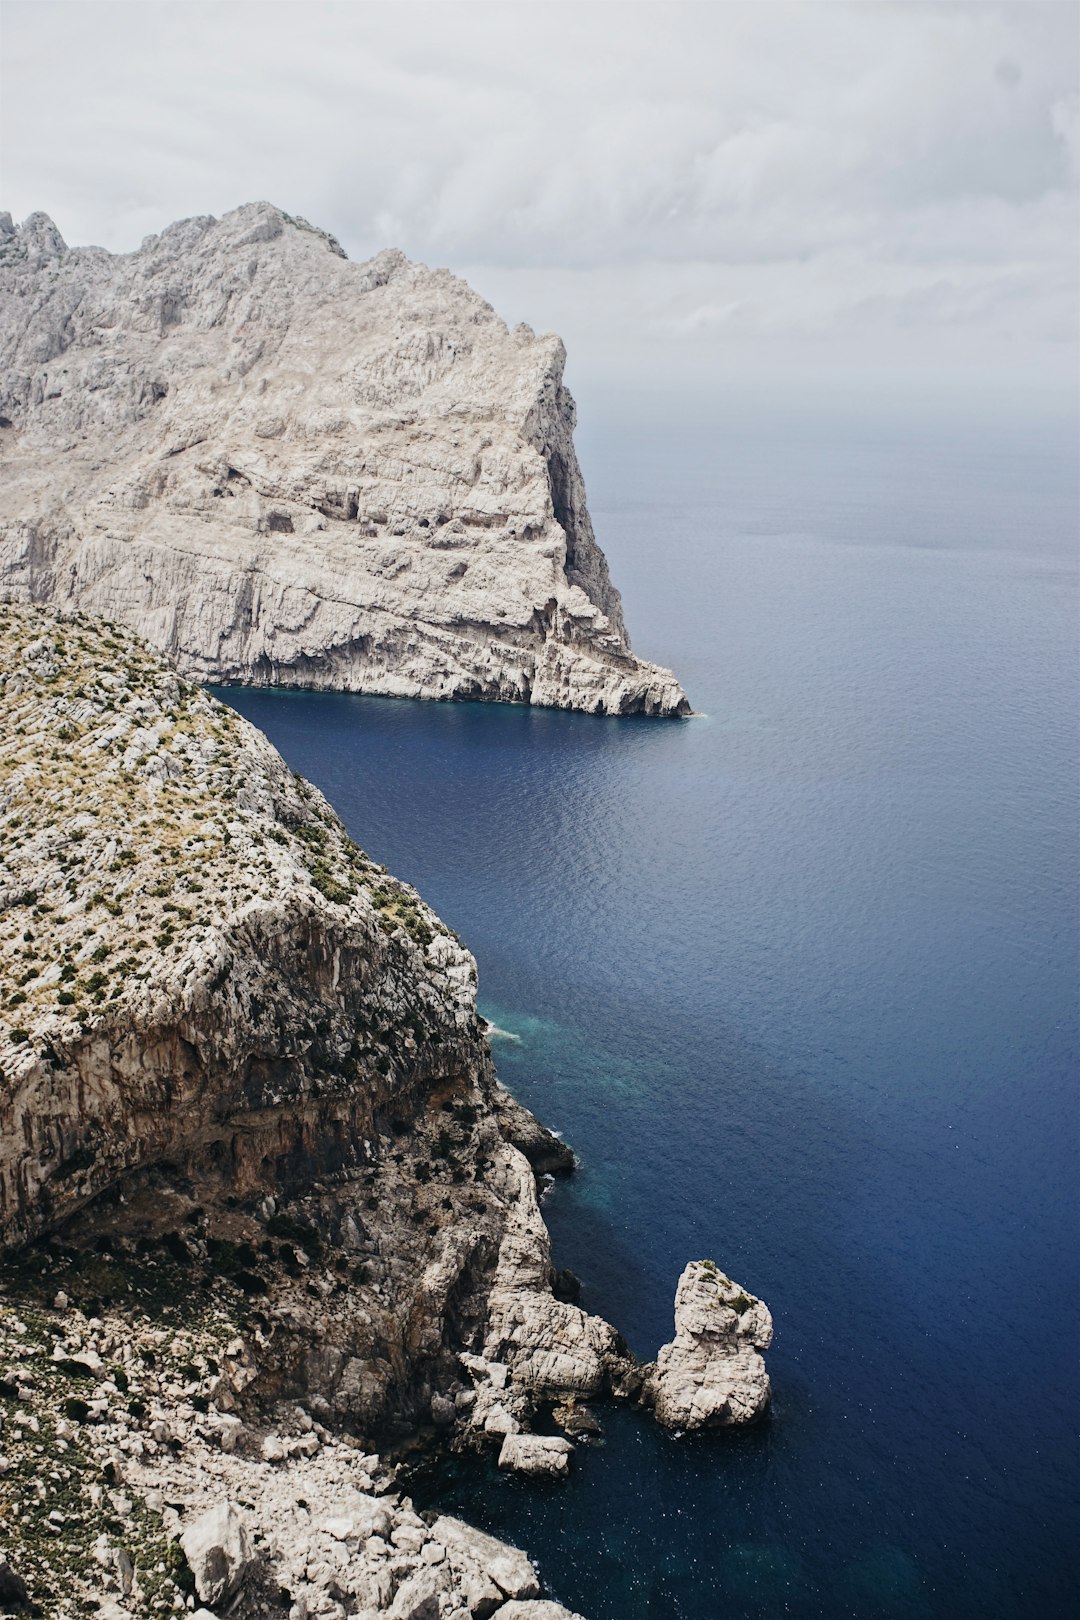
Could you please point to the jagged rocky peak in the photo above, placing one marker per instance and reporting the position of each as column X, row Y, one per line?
column 36, row 241
column 281, row 467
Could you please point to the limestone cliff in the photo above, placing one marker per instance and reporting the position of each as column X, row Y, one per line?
column 283, row 468
column 249, row 1122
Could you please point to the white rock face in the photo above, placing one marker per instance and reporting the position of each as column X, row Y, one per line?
column 711, row 1374
column 283, row 468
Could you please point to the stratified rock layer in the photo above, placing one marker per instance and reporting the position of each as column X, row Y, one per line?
column 711, row 1375
column 283, row 468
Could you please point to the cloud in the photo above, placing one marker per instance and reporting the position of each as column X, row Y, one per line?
column 791, row 169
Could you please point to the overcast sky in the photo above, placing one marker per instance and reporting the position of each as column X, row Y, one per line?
column 703, row 197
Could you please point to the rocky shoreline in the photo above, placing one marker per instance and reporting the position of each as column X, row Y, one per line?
column 266, row 1209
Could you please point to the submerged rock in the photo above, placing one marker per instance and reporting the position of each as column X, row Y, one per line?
column 711, row 1375
column 285, row 469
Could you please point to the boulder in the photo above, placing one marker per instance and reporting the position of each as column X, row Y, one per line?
column 443, row 1411
column 360, row 1517
column 218, row 1552
column 506, row 1567
column 535, row 1610
column 536, row 1454
column 417, row 1598
column 575, row 1419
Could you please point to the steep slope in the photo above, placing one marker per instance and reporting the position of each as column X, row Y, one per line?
column 204, row 978
column 283, row 468
column 249, row 1122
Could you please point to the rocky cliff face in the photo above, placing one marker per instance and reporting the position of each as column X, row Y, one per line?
column 283, row 468
column 212, row 995
column 244, row 1064
column 265, row 1210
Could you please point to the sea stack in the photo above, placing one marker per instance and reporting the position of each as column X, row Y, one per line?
column 711, row 1375
column 283, row 468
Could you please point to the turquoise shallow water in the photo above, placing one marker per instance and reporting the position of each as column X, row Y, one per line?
column 798, row 981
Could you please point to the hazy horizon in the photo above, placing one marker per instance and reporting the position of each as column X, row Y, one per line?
column 799, row 202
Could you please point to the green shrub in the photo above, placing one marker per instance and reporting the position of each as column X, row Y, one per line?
column 327, row 884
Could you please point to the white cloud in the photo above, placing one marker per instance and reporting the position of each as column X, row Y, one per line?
column 817, row 171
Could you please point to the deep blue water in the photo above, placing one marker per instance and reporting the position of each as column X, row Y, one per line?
column 798, row 980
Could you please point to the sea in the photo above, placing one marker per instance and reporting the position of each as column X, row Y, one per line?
column 797, row 979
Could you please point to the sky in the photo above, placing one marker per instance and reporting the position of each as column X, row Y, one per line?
column 710, row 202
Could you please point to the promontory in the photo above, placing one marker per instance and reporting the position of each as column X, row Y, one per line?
column 266, row 1212
column 284, row 468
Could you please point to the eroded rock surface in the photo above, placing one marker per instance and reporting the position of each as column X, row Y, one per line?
column 711, row 1375
column 283, row 468
column 533, row 1609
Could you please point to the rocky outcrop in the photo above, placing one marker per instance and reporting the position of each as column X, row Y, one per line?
column 214, row 1003
column 244, row 1090
column 153, row 1493
column 711, row 1375
column 283, row 468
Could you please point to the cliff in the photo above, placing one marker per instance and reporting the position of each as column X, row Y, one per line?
column 283, row 468
column 249, row 1125
column 266, row 1213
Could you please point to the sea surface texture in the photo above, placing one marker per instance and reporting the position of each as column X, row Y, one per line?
column 798, row 982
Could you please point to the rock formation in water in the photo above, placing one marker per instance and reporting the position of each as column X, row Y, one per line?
column 711, row 1375
column 283, row 468
column 261, row 1192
